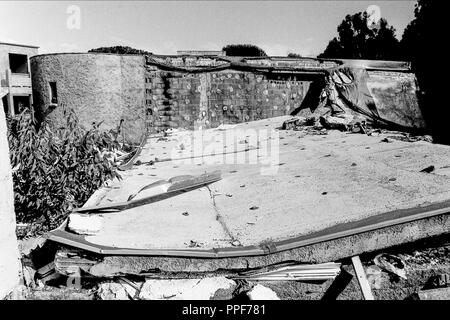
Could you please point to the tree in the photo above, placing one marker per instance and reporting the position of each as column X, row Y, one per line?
column 358, row 40
column 423, row 44
column 243, row 50
column 56, row 169
column 294, row 55
column 119, row 50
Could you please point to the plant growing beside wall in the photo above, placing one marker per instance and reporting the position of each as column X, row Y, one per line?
column 56, row 170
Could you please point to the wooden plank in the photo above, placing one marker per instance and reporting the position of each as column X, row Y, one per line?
column 362, row 280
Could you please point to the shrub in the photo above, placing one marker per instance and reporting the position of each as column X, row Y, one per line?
column 244, row 50
column 56, row 169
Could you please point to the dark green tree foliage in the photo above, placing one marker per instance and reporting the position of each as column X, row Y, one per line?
column 120, row 50
column 356, row 40
column 424, row 44
column 56, row 170
column 243, row 50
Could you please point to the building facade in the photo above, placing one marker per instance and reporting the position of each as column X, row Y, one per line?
column 99, row 87
column 15, row 77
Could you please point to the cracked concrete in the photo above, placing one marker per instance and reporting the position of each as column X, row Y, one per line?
column 319, row 181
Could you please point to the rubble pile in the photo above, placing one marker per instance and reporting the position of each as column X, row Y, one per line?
column 418, row 273
column 319, row 125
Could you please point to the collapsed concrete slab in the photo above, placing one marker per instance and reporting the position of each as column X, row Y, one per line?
column 320, row 198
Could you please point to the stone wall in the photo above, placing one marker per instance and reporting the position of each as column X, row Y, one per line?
column 9, row 253
column 99, row 87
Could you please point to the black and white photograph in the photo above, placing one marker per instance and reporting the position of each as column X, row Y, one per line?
column 228, row 156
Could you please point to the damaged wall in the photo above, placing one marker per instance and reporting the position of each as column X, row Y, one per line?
column 395, row 97
column 176, row 99
column 153, row 93
column 99, row 87
column 9, row 253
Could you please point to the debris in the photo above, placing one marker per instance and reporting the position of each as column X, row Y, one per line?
column 185, row 213
column 428, row 169
column 438, row 281
column 391, row 263
column 338, row 122
column 435, row 294
column 187, row 289
column 47, row 273
column 360, row 127
column 294, row 122
column 310, row 121
column 260, row 292
column 224, row 127
column 28, row 275
column 403, row 136
column 229, row 195
column 362, row 280
column 296, row 272
column 85, row 224
column 387, row 140
column 116, row 291
column 193, row 244
column 236, row 243
column 374, row 276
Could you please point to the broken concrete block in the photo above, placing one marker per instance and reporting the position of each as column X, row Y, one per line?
column 259, row 292
column 187, row 289
column 116, row 291
column 294, row 122
column 85, row 224
column 337, row 122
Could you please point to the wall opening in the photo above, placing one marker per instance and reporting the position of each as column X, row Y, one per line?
column 21, row 103
column 18, row 63
column 53, row 92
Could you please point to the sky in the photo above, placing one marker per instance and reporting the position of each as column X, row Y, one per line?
column 163, row 27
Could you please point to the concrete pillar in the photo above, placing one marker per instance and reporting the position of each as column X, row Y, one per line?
column 9, row 252
column 10, row 96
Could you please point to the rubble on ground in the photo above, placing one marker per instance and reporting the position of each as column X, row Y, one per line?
column 319, row 125
column 259, row 292
column 417, row 271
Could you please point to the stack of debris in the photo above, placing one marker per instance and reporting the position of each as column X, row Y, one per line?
column 345, row 122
